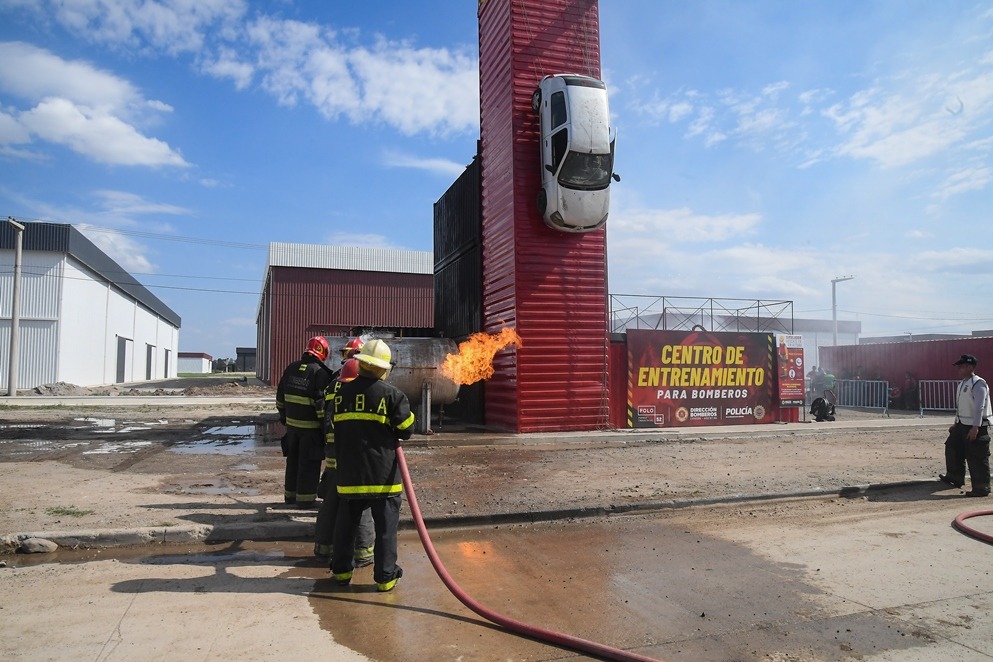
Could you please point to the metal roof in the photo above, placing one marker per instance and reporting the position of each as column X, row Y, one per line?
column 350, row 258
column 64, row 238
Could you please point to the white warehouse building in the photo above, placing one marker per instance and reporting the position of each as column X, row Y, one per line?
column 83, row 319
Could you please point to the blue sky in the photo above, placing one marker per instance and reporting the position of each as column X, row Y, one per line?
column 764, row 147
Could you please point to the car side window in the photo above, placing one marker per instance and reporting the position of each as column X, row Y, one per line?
column 560, row 144
column 558, row 109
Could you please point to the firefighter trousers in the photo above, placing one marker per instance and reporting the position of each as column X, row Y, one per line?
column 386, row 517
column 328, row 514
column 304, row 451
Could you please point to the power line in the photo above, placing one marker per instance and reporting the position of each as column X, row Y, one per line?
column 283, row 295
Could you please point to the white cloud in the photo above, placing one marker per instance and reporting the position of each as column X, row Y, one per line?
column 360, row 240
column 969, row 179
column 124, row 203
column 226, row 64
column 445, row 167
column 99, row 136
column 680, row 110
column 12, row 132
column 170, row 25
column 955, row 261
column 32, row 73
column 411, row 89
column 672, row 226
column 80, row 107
column 122, row 249
column 414, row 90
column 701, row 123
column 774, row 89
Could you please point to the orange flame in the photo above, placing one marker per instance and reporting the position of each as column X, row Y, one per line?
column 475, row 358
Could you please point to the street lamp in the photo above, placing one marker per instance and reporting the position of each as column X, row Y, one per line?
column 834, row 303
column 15, row 309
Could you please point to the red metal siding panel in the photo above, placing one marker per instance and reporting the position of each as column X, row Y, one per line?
column 924, row 359
column 496, row 142
column 551, row 286
column 306, row 302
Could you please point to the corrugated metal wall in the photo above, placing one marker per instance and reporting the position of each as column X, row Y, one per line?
column 925, row 359
column 306, row 302
column 458, row 277
column 550, row 286
column 263, row 334
column 458, row 270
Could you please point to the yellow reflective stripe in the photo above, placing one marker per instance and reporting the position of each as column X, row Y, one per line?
column 307, row 425
column 386, row 586
column 299, row 399
column 360, row 416
column 331, row 463
column 407, row 423
column 342, row 576
column 363, row 553
column 370, row 489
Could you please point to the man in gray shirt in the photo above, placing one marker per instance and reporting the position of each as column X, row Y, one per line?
column 968, row 440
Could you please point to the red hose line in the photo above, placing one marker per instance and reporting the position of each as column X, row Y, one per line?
column 564, row 640
column 968, row 530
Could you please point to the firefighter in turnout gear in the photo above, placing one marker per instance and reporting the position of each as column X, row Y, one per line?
column 326, row 516
column 300, row 401
column 370, row 419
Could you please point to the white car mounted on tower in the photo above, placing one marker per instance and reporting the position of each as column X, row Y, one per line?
column 577, row 152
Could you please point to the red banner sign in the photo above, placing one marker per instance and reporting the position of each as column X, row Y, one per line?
column 683, row 378
column 789, row 358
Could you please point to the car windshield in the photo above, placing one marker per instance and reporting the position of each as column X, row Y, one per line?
column 585, row 172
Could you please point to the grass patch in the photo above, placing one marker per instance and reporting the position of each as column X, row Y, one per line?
column 67, row 511
column 31, row 407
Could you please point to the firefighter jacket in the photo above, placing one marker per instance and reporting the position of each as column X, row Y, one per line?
column 370, row 418
column 300, row 394
column 330, row 461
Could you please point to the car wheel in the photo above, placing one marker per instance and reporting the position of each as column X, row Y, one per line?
column 536, row 101
column 542, row 202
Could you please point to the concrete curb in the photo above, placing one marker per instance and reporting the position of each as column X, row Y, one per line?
column 297, row 530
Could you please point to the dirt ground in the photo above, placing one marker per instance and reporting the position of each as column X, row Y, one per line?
column 116, row 467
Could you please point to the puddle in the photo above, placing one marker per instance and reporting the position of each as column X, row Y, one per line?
column 217, row 487
column 107, row 436
column 230, row 440
column 123, row 447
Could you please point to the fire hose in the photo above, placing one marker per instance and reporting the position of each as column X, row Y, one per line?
column 960, row 524
column 518, row 627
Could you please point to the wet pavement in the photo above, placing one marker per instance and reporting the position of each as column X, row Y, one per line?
column 674, row 561
column 838, row 579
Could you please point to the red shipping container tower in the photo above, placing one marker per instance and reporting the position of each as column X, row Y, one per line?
column 550, row 286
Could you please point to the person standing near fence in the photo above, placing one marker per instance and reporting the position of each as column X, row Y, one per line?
column 968, row 442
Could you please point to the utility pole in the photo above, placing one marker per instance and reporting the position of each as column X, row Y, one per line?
column 15, row 309
column 834, row 304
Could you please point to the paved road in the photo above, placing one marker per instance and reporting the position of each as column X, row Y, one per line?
column 878, row 574
column 875, row 577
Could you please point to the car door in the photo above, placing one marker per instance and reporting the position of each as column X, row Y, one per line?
column 555, row 143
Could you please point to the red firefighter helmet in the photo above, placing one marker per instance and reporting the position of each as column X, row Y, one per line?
column 352, row 346
column 349, row 370
column 318, row 346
